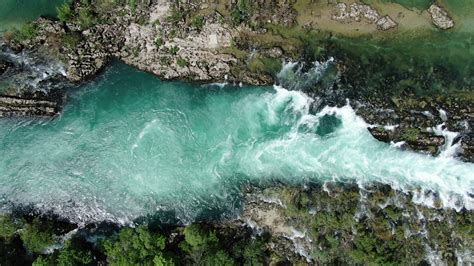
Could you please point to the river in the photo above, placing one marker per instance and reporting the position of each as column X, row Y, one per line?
column 128, row 145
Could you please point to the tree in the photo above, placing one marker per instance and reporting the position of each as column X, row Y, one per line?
column 37, row 236
column 136, row 246
column 64, row 12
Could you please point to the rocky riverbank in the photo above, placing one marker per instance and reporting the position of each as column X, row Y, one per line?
column 331, row 223
column 247, row 42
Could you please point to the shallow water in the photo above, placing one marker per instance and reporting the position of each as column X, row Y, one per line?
column 13, row 13
column 128, row 145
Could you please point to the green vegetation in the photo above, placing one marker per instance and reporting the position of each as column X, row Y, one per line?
column 86, row 18
column 136, row 247
column 158, row 42
column 389, row 236
column 419, row 4
column 37, row 236
column 71, row 254
column 64, row 12
column 181, row 62
column 25, row 33
column 241, row 11
column 176, row 16
column 71, row 39
column 344, row 229
column 174, row 50
column 410, row 134
column 264, row 65
column 8, row 226
column 198, row 22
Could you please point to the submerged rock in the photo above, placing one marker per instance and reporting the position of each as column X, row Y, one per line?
column 16, row 106
column 440, row 17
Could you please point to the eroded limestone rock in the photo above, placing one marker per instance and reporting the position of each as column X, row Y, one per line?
column 440, row 17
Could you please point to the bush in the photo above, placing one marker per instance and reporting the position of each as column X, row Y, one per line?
column 181, row 62
column 198, row 22
column 175, row 16
column 86, row 18
column 158, row 42
column 64, row 12
column 174, row 50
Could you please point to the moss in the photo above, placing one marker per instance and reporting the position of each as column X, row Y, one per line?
column 410, row 134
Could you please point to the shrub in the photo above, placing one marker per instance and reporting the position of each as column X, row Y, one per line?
column 86, row 18
column 158, row 42
column 198, row 22
column 174, row 50
column 175, row 16
column 64, row 12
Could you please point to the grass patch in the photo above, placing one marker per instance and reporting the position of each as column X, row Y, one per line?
column 265, row 65
column 26, row 32
column 411, row 134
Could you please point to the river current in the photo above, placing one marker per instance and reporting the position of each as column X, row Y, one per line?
column 128, row 145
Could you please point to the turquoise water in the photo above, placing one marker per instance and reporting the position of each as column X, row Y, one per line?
column 128, row 145
column 13, row 13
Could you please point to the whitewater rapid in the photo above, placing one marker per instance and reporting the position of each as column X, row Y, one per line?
column 129, row 145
